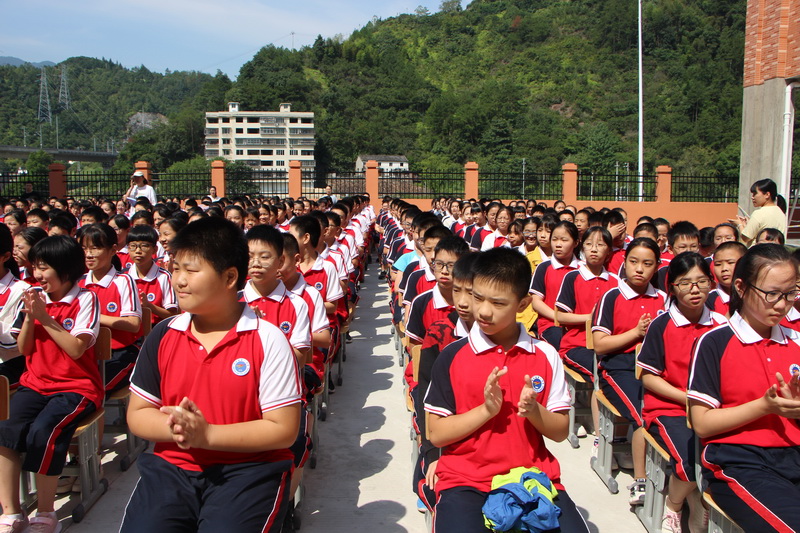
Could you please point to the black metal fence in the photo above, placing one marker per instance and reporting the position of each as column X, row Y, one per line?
column 705, row 188
column 342, row 183
column 101, row 184
column 12, row 185
column 181, row 184
column 429, row 185
column 529, row 185
column 258, row 183
column 616, row 187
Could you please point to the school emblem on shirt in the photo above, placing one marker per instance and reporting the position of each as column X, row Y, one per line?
column 537, row 382
column 68, row 324
column 241, row 366
column 111, row 307
column 318, row 285
column 794, row 369
column 151, row 297
column 286, row 326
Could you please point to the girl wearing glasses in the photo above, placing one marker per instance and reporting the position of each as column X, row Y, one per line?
column 744, row 398
column 664, row 361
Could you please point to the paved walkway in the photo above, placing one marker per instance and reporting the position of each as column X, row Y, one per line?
column 362, row 479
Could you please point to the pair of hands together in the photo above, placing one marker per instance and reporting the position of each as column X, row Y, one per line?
column 783, row 398
column 187, row 424
column 493, row 394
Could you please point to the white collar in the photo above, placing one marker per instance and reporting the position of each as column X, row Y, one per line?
column 68, row 298
column 556, row 264
column 6, row 281
column 680, row 320
column 745, row 333
column 793, row 315
column 587, row 274
column 724, row 296
column 429, row 275
column 480, row 343
column 299, row 287
column 105, row 281
column 150, row 276
column 248, row 321
column 251, row 293
column 630, row 294
column 438, row 300
column 461, row 330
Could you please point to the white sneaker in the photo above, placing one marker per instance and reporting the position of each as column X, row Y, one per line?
column 44, row 524
column 12, row 525
column 671, row 521
column 638, row 488
column 581, row 432
column 624, row 460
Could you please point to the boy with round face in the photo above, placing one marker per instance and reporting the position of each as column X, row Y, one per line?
column 726, row 256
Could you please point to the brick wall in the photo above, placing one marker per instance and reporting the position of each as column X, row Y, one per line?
column 772, row 41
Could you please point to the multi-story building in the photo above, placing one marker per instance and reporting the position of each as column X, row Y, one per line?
column 386, row 163
column 265, row 140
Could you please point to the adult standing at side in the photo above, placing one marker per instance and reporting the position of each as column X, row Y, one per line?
column 329, row 194
column 764, row 194
column 139, row 188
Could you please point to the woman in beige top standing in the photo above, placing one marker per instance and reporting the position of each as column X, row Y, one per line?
column 764, row 194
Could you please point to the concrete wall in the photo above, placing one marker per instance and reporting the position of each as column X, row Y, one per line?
column 762, row 136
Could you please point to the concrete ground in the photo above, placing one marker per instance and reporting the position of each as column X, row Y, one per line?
column 363, row 475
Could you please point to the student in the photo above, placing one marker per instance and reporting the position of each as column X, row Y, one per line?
column 548, row 276
column 267, row 295
column 424, row 277
column 582, row 221
column 616, row 224
column 493, row 398
column 167, row 231
column 222, row 429
column 682, row 237
column 16, row 221
column 665, row 359
column 725, row 232
column 121, row 226
column 772, row 235
column 619, row 324
column 320, row 274
column 515, row 238
column 441, row 333
column 725, row 257
column 60, row 387
column 120, row 308
column 62, row 225
column 235, row 214
column 483, row 232
column 153, row 283
column 499, row 237
column 744, row 398
column 11, row 293
column 23, row 242
column 542, row 251
column 37, row 218
column 436, row 303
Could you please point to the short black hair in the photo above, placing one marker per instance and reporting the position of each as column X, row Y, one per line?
column 437, row 231
column 308, row 225
column 452, row 244
column 464, row 267
column 95, row 212
column 63, row 222
column 682, row 228
column 505, row 266
column 142, row 234
column 732, row 245
column 269, row 235
column 39, row 213
column 146, row 215
column 100, row 235
column 62, row 254
column 218, row 241
column 290, row 245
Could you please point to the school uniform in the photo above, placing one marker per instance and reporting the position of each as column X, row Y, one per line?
column 419, row 281
column 11, row 319
column 718, row 301
column 667, row 352
column 617, row 261
column 56, row 392
column 580, row 291
column 619, row 311
column 324, row 277
column 251, row 371
column 426, row 309
column 792, row 320
column 480, row 233
column 124, row 256
column 495, row 240
column 283, row 310
column 118, row 297
column 156, row 286
column 546, row 283
column 753, row 471
column 506, row 441
column 26, row 275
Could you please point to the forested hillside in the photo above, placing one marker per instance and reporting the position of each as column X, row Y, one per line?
column 499, row 81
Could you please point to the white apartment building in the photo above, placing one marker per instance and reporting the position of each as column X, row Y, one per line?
column 386, row 163
column 265, row 140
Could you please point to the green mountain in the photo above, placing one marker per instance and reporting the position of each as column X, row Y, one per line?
column 502, row 80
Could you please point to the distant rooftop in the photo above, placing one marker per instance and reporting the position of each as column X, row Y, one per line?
column 385, row 158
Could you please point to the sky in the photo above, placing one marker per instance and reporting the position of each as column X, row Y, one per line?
column 200, row 35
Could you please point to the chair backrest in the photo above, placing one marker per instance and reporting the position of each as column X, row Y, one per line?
column 415, row 354
column 102, row 345
column 4, row 398
column 556, row 323
column 147, row 321
column 589, row 339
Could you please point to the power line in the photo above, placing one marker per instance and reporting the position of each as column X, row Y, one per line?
column 44, row 99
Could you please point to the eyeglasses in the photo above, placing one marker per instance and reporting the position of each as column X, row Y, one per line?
column 686, row 285
column 529, row 234
column 441, row 265
column 772, row 297
column 145, row 246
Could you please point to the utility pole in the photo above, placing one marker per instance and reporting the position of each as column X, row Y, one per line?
column 56, row 132
column 44, row 100
column 641, row 111
column 24, row 137
column 523, row 178
column 63, row 91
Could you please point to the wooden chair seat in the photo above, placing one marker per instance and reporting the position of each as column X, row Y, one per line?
column 718, row 520
column 651, row 441
column 601, row 398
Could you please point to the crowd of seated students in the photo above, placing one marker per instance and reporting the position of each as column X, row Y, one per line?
column 247, row 297
column 694, row 336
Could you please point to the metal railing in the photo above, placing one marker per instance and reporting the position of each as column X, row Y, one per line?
column 181, row 184
column 428, row 185
column 518, row 185
column 347, row 183
column 102, row 184
column 615, row 187
column 705, row 188
column 12, row 185
column 258, row 183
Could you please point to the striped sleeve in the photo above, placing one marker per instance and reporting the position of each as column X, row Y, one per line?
column 279, row 379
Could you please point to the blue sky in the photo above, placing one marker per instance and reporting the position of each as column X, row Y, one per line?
column 202, row 35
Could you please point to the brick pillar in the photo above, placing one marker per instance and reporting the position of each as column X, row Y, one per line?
column 664, row 183
column 371, row 177
column 295, row 180
column 145, row 168
column 218, row 176
column 569, row 184
column 57, row 182
column 471, row 178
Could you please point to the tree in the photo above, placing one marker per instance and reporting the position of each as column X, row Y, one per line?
column 450, row 6
column 39, row 162
column 422, row 11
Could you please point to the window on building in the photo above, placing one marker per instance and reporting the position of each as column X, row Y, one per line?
column 292, row 121
column 226, row 131
column 239, row 130
column 239, row 152
column 307, row 152
column 225, row 120
column 292, row 152
column 279, row 163
column 226, row 141
column 252, row 120
column 279, row 152
column 254, row 152
column 266, row 152
column 226, row 152
column 307, row 121
column 212, row 120
column 266, row 163
column 251, row 131
column 239, row 119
